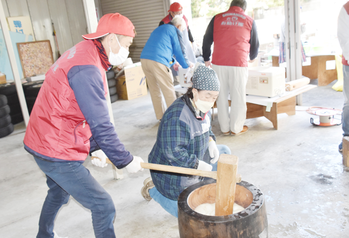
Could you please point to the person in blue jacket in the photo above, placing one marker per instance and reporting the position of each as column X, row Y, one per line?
column 185, row 139
column 157, row 58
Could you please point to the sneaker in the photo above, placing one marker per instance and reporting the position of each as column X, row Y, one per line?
column 227, row 133
column 244, row 130
column 148, row 184
column 56, row 236
column 340, row 147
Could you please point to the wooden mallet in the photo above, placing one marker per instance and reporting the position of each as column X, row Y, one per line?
column 226, row 176
column 178, row 170
column 226, row 184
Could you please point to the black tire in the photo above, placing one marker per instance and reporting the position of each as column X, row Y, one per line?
column 110, row 74
column 114, row 98
column 3, row 100
column 111, row 83
column 15, row 109
column 8, row 88
column 33, row 90
column 16, row 118
column 112, row 91
column 5, row 110
column 12, row 99
column 6, row 130
column 29, row 84
column 30, row 103
column 30, row 100
column 5, row 121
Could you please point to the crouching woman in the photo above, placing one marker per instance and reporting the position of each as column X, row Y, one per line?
column 185, row 139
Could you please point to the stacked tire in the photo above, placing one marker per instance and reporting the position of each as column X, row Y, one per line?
column 6, row 127
column 9, row 90
column 31, row 91
column 112, row 86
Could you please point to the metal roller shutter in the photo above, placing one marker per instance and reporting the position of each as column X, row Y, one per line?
column 145, row 15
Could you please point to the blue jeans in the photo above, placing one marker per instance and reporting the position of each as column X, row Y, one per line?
column 171, row 205
column 345, row 114
column 72, row 178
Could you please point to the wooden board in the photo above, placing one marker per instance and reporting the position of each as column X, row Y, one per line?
column 36, row 57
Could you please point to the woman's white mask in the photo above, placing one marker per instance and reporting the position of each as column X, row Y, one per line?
column 119, row 58
column 203, row 106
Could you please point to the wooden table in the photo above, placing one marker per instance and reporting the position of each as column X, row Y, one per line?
column 258, row 106
column 317, row 69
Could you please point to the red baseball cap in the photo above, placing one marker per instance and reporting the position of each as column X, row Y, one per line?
column 112, row 23
column 175, row 7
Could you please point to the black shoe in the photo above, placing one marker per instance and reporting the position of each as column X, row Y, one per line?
column 340, row 147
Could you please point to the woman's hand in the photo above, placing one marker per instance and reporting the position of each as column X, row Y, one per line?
column 214, row 152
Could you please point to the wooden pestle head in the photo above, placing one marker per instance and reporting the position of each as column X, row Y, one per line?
column 226, row 184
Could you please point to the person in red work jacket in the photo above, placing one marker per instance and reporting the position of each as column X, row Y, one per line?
column 176, row 9
column 70, row 119
column 235, row 39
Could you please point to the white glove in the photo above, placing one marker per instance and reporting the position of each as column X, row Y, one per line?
column 135, row 165
column 204, row 166
column 214, row 152
column 101, row 162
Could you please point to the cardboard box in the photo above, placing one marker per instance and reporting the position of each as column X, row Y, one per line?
column 133, row 83
column 266, row 81
column 2, row 78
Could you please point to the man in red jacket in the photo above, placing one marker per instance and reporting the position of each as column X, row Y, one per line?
column 70, row 118
column 235, row 38
column 176, row 9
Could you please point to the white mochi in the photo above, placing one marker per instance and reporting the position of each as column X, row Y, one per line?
column 208, row 209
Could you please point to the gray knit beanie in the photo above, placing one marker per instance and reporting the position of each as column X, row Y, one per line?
column 205, row 78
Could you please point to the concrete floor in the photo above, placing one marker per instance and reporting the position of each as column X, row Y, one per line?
column 298, row 168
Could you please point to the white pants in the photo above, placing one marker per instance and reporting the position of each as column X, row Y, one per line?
column 233, row 81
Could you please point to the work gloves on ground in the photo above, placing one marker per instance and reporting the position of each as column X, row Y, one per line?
column 135, row 165
column 204, row 166
column 213, row 150
column 99, row 159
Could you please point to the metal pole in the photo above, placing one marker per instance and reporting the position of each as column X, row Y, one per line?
column 90, row 14
column 14, row 67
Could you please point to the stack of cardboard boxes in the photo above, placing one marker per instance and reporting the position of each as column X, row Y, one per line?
column 132, row 84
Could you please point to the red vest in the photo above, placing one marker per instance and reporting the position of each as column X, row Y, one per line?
column 231, row 36
column 57, row 128
column 169, row 18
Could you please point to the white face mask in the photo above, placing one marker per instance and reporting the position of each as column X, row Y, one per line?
column 203, row 106
column 119, row 58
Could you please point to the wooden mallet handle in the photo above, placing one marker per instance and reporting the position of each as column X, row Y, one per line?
column 178, row 170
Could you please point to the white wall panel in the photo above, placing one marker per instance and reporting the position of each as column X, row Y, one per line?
column 41, row 21
column 4, row 4
column 145, row 15
column 59, row 15
column 17, row 8
column 77, row 20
